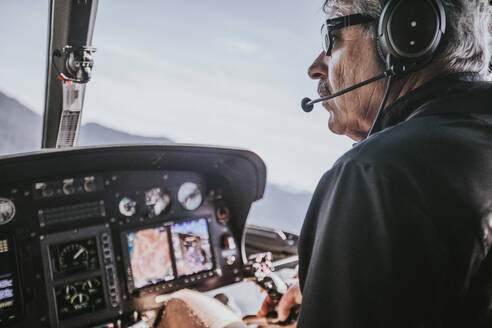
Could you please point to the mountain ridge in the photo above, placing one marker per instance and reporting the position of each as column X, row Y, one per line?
column 21, row 128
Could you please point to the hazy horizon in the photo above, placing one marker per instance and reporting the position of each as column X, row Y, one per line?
column 220, row 73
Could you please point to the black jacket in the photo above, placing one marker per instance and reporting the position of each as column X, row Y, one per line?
column 398, row 231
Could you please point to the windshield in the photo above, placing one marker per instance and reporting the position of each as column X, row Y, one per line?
column 224, row 73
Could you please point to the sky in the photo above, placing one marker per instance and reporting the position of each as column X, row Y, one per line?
column 219, row 72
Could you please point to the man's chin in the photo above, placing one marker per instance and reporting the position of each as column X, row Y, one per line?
column 341, row 129
column 334, row 125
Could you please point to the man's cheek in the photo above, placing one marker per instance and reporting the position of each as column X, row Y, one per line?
column 336, row 77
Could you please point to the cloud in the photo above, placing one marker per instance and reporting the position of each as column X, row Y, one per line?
column 195, row 105
column 242, row 46
column 228, row 83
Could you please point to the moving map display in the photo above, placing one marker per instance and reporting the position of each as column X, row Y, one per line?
column 191, row 245
column 150, row 256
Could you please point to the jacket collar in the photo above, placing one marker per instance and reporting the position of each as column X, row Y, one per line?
column 410, row 104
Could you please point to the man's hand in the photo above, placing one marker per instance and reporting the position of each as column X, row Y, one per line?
column 191, row 309
column 290, row 300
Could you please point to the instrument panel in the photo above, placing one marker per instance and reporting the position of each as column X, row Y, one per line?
column 90, row 237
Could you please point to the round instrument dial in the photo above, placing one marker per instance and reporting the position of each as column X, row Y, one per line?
column 190, row 196
column 73, row 256
column 80, row 301
column 91, row 286
column 7, row 210
column 157, row 201
column 69, row 292
column 128, row 206
column 76, row 256
column 79, row 297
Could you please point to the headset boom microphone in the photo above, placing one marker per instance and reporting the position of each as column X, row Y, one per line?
column 307, row 104
column 404, row 42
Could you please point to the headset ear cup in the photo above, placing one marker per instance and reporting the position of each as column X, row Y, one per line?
column 382, row 31
column 410, row 31
column 381, row 53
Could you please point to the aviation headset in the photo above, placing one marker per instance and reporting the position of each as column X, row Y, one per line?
column 409, row 33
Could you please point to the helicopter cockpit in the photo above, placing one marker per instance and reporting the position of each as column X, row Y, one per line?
column 100, row 236
column 102, row 243
column 126, row 216
column 100, row 228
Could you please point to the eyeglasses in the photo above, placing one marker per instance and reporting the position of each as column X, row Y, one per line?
column 333, row 24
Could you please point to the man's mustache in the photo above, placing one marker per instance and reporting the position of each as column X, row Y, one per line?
column 323, row 88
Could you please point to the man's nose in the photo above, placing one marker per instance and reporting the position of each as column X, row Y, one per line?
column 318, row 69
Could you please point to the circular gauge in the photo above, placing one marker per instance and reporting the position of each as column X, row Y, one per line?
column 79, row 297
column 157, row 201
column 91, row 286
column 73, row 256
column 7, row 210
column 190, row 196
column 69, row 292
column 127, row 206
column 80, row 301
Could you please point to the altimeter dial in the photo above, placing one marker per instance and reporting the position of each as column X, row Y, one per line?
column 73, row 256
column 7, row 210
column 76, row 256
column 128, row 207
column 190, row 196
column 157, row 201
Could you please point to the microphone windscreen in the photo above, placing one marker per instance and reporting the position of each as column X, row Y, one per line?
column 306, row 106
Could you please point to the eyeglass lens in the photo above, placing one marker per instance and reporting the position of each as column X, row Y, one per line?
column 325, row 39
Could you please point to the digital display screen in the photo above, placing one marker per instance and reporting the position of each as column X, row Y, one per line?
column 191, row 245
column 150, row 256
column 6, row 293
column 10, row 301
column 7, row 296
column 6, row 283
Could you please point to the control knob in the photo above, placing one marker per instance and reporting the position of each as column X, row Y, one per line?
column 223, row 214
column 228, row 242
column 68, row 187
column 90, row 184
column 46, row 191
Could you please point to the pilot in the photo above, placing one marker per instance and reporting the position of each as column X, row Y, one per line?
column 399, row 230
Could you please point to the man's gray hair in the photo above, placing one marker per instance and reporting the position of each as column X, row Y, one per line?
column 466, row 46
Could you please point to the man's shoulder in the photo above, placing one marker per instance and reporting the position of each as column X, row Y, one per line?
column 416, row 141
column 448, row 133
column 393, row 145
